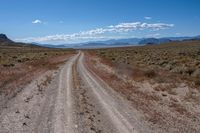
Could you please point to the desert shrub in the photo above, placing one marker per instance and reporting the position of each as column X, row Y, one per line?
column 189, row 71
column 113, row 59
column 14, row 57
column 196, row 73
column 9, row 65
column 150, row 73
column 163, row 62
column 179, row 69
column 168, row 67
column 182, row 53
column 184, row 59
column 160, row 80
column 19, row 60
column 198, row 52
column 102, row 52
column 197, row 82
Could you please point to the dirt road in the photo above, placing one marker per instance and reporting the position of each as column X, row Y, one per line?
column 72, row 99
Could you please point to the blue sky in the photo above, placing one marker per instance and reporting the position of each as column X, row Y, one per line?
column 72, row 21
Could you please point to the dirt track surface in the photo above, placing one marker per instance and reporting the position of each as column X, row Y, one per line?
column 72, row 99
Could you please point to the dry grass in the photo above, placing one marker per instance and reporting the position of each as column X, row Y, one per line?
column 168, row 99
column 19, row 65
column 169, row 60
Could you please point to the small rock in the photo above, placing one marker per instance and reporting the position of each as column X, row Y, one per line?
column 98, row 112
column 17, row 112
column 24, row 124
column 26, row 116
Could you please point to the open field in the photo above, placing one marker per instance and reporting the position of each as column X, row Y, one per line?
column 19, row 65
column 100, row 66
column 177, row 58
column 113, row 90
column 161, row 82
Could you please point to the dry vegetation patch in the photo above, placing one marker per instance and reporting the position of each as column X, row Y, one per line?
column 19, row 65
column 160, row 81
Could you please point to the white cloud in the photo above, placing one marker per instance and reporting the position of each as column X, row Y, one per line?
column 99, row 33
column 37, row 21
column 148, row 18
column 125, row 27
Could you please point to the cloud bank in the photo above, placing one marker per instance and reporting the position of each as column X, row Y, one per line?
column 126, row 27
column 99, row 33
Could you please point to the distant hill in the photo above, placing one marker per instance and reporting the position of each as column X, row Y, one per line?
column 198, row 37
column 132, row 42
column 6, row 42
column 4, row 38
column 154, row 41
column 51, row 45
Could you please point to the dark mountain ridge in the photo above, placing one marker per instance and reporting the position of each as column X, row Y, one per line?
column 6, row 42
column 4, row 38
column 154, row 41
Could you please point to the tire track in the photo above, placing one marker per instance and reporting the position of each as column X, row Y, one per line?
column 64, row 103
column 87, row 116
column 121, row 118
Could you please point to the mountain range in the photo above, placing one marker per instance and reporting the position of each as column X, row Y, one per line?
column 123, row 42
column 4, row 40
